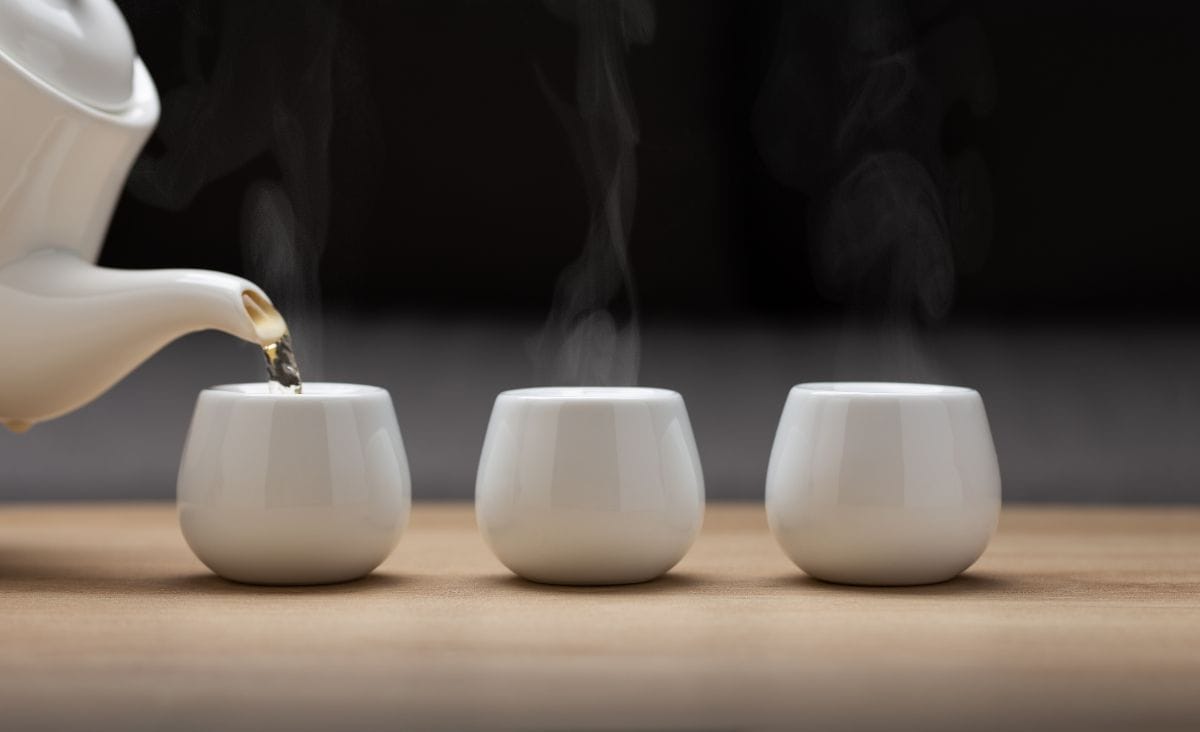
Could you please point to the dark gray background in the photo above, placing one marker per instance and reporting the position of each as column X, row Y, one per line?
column 436, row 199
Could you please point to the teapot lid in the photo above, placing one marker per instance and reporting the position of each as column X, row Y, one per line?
column 82, row 48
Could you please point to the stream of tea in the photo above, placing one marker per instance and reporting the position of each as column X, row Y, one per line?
column 283, row 375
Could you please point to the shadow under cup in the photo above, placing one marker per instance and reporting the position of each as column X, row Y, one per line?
column 305, row 488
column 589, row 485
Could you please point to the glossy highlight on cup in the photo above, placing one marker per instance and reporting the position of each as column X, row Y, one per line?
column 589, row 485
column 284, row 489
column 883, row 484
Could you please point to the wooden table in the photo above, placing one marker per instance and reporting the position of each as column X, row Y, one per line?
column 1085, row 618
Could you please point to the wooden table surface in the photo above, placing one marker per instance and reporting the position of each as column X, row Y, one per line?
column 1083, row 618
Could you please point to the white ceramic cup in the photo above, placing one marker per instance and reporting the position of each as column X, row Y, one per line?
column 289, row 489
column 883, row 484
column 589, row 485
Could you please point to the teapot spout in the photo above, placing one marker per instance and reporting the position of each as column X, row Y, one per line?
column 70, row 330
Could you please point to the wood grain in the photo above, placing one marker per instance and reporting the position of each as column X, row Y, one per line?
column 1083, row 618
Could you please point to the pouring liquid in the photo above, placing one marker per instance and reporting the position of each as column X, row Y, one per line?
column 283, row 375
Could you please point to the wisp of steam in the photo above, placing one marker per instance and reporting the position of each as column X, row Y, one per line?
column 851, row 114
column 591, row 335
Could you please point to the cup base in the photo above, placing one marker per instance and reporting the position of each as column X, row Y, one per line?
column 314, row 581
column 604, row 582
column 856, row 580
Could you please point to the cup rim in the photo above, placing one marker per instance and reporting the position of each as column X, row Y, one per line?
column 883, row 389
column 592, row 393
column 323, row 390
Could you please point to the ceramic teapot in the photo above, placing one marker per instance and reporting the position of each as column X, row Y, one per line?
column 76, row 106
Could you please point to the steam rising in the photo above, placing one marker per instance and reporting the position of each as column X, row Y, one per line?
column 259, row 91
column 847, row 116
column 591, row 335
column 283, row 260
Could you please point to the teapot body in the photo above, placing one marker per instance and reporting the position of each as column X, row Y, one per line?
column 76, row 106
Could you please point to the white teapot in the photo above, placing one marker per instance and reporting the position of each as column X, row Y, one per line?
column 76, row 106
